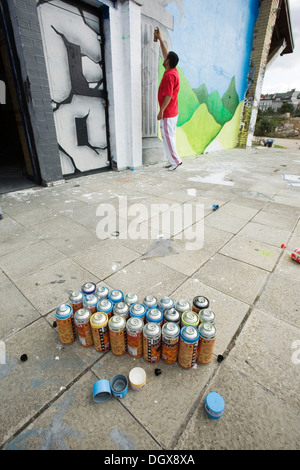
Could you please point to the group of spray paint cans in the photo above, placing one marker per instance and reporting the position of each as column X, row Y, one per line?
column 109, row 320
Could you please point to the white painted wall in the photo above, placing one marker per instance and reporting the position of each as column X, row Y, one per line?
column 123, row 73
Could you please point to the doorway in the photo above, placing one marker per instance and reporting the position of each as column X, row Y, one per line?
column 15, row 165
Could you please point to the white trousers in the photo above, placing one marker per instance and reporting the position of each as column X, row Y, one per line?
column 168, row 133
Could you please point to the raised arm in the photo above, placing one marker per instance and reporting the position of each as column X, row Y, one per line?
column 164, row 50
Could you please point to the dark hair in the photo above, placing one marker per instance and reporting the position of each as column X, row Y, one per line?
column 173, row 59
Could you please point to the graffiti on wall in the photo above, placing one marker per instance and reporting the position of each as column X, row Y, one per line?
column 72, row 44
column 213, row 39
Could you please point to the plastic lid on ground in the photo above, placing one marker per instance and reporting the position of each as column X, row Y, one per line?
column 214, row 405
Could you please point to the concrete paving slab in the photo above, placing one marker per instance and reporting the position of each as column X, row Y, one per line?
column 263, row 233
column 16, row 311
column 233, row 277
column 65, row 235
column 228, row 223
column 50, row 287
column 282, row 210
column 240, row 211
column 14, row 236
column 27, row 387
column 75, row 422
column 281, row 298
column 104, row 258
column 229, row 312
column 254, row 252
column 273, row 367
column 273, row 220
column 171, row 394
column 185, row 261
column 27, row 213
column 249, row 302
column 29, row 259
column 147, row 276
column 254, row 418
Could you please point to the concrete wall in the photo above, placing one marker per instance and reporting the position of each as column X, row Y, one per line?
column 260, row 51
column 27, row 35
column 123, row 71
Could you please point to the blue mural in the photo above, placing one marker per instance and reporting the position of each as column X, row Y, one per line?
column 213, row 39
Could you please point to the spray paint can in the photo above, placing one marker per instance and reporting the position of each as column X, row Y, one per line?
column 121, row 309
column 130, row 298
column 166, row 303
column 115, row 296
column 138, row 310
column 207, row 315
column 172, row 315
column 99, row 327
column 188, row 342
column 152, row 342
column 150, row 301
column 190, row 318
column 206, row 343
column 105, row 306
column 88, row 288
column 76, row 300
column 134, row 328
column 90, row 301
column 65, row 324
column 170, row 342
column 182, row 306
column 102, row 292
column 199, row 303
column 117, row 335
column 83, row 326
column 155, row 315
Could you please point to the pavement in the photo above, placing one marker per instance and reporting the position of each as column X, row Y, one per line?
column 54, row 239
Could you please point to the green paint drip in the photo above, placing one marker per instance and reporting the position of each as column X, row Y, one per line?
column 266, row 253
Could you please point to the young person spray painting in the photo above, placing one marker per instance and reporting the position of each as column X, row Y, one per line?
column 168, row 103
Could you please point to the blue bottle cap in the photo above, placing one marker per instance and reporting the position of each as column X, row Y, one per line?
column 214, row 405
column 101, row 391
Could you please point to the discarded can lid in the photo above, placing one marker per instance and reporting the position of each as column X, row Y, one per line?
column 214, row 405
column 119, row 386
column 215, row 207
column 137, row 378
column 157, row 371
column 101, row 391
column 220, row 358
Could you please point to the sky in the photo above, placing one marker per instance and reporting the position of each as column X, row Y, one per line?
column 284, row 73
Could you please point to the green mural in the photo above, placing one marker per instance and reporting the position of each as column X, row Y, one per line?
column 206, row 121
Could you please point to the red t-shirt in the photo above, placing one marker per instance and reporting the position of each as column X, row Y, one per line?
column 169, row 86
